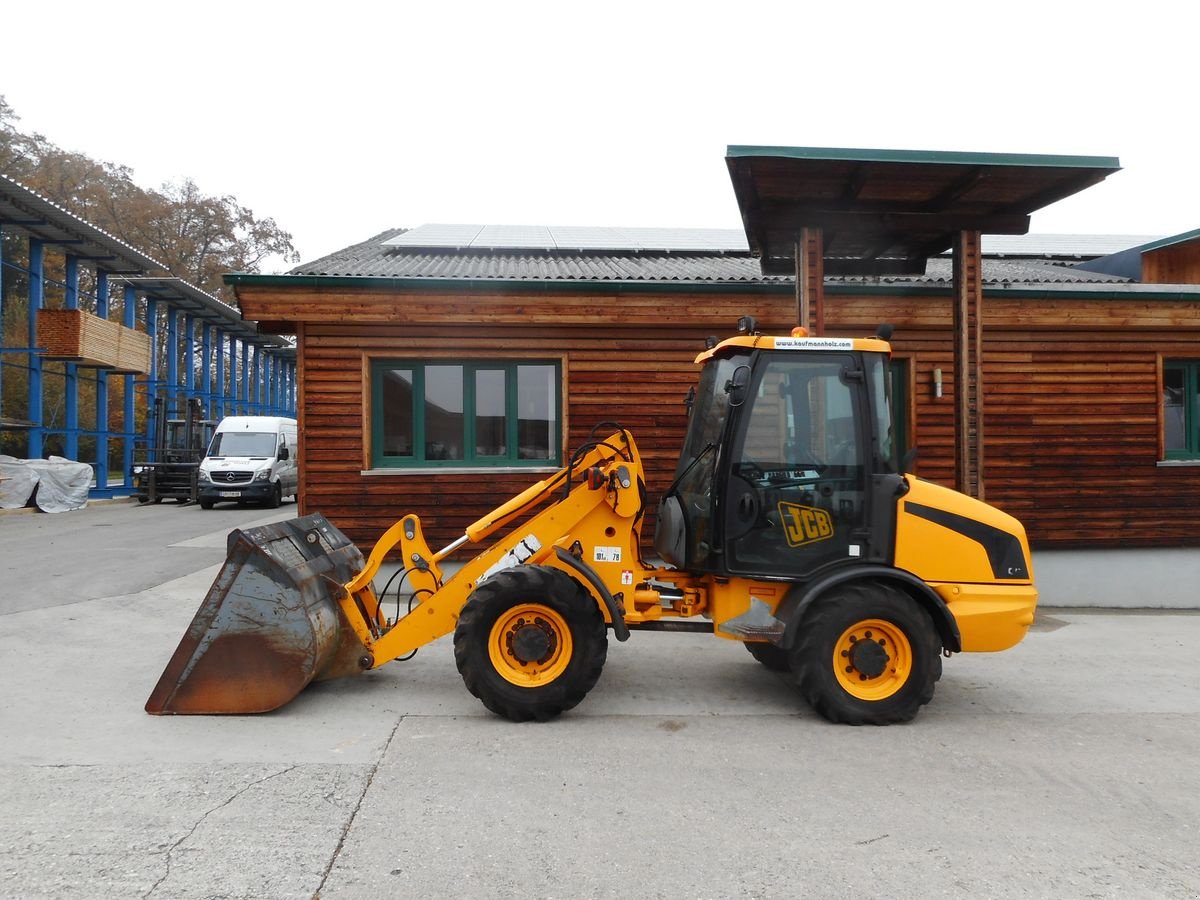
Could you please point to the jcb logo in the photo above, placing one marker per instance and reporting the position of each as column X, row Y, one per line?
column 805, row 524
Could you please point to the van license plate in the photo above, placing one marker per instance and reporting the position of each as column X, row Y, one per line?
column 229, row 494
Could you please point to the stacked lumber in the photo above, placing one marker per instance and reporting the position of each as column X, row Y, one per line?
column 76, row 336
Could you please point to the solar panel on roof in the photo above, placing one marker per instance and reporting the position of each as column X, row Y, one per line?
column 570, row 237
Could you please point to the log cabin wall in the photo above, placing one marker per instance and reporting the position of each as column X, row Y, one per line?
column 628, row 358
column 1072, row 387
column 1073, row 396
column 1177, row 263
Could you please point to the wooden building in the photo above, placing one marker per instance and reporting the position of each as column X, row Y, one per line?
column 443, row 369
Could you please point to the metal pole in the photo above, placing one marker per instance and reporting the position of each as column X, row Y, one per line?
column 189, row 358
column 37, row 294
column 172, row 362
column 1, row 318
column 218, row 411
column 71, row 371
column 206, row 373
column 152, row 385
column 129, row 422
column 102, row 391
column 245, row 378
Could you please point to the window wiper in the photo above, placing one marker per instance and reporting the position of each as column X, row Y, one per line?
column 691, row 465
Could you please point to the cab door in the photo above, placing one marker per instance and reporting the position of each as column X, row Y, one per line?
column 795, row 497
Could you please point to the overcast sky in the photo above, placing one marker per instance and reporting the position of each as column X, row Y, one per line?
column 341, row 119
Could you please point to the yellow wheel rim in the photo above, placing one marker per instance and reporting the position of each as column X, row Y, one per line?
column 530, row 645
column 872, row 659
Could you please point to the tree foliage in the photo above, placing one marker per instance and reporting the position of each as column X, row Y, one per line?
column 198, row 237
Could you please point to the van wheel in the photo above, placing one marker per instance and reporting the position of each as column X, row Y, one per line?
column 276, row 497
column 867, row 654
column 206, row 504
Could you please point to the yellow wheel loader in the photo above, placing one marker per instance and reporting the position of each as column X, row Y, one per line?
column 790, row 526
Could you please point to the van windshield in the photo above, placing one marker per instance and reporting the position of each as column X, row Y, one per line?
column 243, row 443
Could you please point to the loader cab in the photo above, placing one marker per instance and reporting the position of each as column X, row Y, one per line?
column 788, row 447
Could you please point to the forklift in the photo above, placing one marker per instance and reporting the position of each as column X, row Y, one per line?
column 170, row 469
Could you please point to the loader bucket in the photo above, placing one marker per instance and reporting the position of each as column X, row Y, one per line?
column 270, row 624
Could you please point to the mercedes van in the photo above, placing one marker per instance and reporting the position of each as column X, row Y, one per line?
column 250, row 459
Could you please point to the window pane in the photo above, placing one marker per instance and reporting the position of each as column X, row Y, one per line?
column 490, row 430
column 537, row 404
column 443, row 412
column 1174, row 413
column 398, row 412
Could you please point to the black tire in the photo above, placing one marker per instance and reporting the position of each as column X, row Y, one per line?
column 206, row 504
column 519, row 612
column 867, row 654
column 276, row 497
column 774, row 657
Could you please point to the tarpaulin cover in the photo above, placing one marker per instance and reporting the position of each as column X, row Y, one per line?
column 61, row 484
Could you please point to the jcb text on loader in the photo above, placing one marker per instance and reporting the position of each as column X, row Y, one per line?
column 789, row 526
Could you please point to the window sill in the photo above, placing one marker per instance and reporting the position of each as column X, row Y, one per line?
column 464, row 470
column 1177, row 463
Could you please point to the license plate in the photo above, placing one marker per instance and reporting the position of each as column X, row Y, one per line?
column 229, row 494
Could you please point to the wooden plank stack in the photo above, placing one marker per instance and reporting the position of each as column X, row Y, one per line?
column 73, row 335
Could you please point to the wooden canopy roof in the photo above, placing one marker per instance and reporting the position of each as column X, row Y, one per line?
column 887, row 211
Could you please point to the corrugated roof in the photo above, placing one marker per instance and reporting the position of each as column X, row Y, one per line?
column 384, row 257
column 205, row 307
column 47, row 221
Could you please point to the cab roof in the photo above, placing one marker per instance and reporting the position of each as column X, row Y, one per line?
column 794, row 344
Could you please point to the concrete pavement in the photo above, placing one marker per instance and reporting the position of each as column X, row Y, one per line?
column 1063, row 768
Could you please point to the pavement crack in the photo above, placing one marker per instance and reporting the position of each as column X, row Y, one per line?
column 337, row 851
column 201, row 820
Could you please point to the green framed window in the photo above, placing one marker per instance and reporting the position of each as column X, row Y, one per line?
column 1181, row 403
column 447, row 413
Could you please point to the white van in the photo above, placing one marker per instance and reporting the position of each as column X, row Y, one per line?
column 250, row 458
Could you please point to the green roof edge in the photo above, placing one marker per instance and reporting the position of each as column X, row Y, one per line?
column 1168, row 241
column 945, row 157
column 501, row 285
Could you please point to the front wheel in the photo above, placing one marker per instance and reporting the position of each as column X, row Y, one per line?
column 867, row 654
column 530, row 643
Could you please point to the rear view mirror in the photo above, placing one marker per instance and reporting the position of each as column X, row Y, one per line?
column 737, row 385
column 284, row 453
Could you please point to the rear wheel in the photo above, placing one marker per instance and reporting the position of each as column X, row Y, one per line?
column 770, row 655
column 867, row 654
column 530, row 643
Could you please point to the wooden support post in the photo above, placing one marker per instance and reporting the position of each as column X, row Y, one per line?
column 810, row 280
column 968, row 364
